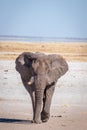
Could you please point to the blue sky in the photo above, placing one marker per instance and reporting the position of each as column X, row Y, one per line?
column 47, row 18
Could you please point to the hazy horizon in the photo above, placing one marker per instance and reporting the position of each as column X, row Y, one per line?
column 40, row 39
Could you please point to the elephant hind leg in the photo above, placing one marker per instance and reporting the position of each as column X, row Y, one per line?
column 48, row 93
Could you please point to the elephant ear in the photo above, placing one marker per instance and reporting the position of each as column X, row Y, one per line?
column 29, row 60
column 58, row 66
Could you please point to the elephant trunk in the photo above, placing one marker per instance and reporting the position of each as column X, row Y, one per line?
column 38, row 105
column 39, row 93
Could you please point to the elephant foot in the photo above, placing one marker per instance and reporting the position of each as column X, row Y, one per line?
column 45, row 120
column 37, row 121
column 45, row 116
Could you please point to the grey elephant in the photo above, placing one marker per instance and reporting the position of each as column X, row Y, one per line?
column 39, row 73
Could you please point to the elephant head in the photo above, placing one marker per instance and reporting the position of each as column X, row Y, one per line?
column 42, row 71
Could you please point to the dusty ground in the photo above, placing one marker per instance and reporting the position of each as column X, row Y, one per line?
column 69, row 104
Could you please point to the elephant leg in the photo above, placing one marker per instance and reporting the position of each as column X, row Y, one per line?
column 38, row 105
column 31, row 91
column 45, row 114
column 33, row 102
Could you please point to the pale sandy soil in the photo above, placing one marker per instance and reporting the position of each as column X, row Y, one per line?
column 73, row 118
column 69, row 104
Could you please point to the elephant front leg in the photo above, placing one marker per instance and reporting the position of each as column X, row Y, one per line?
column 38, row 106
column 45, row 114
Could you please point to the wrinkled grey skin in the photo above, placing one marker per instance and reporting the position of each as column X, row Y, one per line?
column 39, row 74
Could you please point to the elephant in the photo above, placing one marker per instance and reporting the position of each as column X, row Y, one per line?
column 39, row 73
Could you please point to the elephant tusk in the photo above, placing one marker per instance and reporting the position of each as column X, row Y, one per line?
column 29, row 83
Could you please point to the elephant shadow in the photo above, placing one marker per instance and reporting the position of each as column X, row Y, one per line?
column 15, row 121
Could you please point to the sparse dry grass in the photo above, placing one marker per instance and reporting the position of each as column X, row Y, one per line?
column 70, row 51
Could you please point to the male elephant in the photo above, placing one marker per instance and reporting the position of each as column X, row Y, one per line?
column 39, row 73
